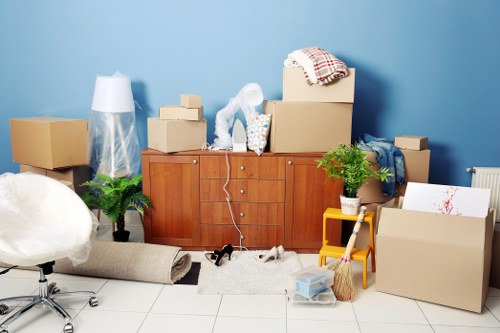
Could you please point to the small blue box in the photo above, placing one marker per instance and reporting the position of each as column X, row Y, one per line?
column 309, row 284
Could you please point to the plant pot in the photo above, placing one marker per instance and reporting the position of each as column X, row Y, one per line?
column 121, row 235
column 350, row 206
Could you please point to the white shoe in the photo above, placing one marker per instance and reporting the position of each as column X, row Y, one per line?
column 270, row 255
column 281, row 251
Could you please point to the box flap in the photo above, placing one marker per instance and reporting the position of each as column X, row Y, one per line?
column 433, row 227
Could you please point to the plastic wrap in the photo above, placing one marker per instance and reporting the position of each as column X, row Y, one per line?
column 41, row 220
column 114, row 146
column 248, row 98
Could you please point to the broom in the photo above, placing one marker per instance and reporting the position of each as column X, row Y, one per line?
column 343, row 288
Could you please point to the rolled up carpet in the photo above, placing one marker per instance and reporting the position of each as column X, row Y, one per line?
column 130, row 261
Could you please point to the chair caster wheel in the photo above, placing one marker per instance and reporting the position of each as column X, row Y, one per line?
column 4, row 309
column 68, row 328
column 53, row 289
column 4, row 331
column 93, row 302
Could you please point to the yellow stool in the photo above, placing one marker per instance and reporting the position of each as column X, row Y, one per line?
column 338, row 251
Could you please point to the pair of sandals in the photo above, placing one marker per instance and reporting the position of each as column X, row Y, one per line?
column 273, row 254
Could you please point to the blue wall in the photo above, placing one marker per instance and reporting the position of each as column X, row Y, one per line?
column 428, row 67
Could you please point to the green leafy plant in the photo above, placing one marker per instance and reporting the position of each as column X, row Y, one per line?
column 349, row 164
column 115, row 195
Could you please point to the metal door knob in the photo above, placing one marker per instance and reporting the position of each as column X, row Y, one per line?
column 242, row 191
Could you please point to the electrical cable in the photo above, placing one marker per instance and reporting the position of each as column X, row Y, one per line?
column 228, row 200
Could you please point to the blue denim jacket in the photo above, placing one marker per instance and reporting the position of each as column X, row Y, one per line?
column 388, row 156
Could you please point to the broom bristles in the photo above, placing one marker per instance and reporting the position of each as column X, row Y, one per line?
column 343, row 288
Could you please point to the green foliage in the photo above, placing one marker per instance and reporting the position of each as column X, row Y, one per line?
column 115, row 195
column 349, row 164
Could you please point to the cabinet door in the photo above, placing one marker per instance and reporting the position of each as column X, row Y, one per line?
column 172, row 183
column 309, row 193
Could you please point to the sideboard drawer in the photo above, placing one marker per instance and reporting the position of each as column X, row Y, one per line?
column 243, row 212
column 254, row 167
column 243, row 190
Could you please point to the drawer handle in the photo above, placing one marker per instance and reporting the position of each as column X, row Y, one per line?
column 290, row 162
column 242, row 214
column 195, row 161
column 242, row 167
column 242, row 191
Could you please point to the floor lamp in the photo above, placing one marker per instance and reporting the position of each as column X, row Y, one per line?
column 114, row 145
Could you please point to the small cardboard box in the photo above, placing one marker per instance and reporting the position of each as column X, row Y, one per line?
column 74, row 175
column 417, row 165
column 432, row 257
column 48, row 142
column 495, row 259
column 296, row 88
column 191, row 101
column 411, row 142
column 180, row 112
column 308, row 126
column 170, row 136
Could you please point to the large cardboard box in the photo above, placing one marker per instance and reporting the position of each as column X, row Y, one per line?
column 443, row 259
column 170, row 136
column 308, row 126
column 74, row 175
column 495, row 258
column 296, row 88
column 48, row 142
column 416, row 170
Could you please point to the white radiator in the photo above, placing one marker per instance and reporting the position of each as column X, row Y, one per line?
column 488, row 178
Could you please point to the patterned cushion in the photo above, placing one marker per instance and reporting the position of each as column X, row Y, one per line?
column 257, row 133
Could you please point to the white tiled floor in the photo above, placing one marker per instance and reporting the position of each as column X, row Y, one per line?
column 149, row 308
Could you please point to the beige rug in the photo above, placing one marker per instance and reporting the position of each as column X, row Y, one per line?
column 130, row 261
column 244, row 275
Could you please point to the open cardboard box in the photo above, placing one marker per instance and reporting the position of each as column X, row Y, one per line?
column 437, row 258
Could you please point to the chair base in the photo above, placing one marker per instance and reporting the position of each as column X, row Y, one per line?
column 47, row 296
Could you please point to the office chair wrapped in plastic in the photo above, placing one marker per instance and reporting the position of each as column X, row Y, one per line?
column 42, row 220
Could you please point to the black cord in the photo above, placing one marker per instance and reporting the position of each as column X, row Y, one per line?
column 7, row 270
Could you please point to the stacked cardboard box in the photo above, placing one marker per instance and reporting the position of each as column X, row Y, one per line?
column 311, row 118
column 179, row 127
column 54, row 147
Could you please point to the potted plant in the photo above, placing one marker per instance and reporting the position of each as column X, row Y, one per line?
column 114, row 196
column 349, row 164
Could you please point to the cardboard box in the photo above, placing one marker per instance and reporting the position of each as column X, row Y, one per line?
column 411, row 142
column 296, row 88
column 308, row 126
column 170, row 136
column 74, row 175
column 48, row 142
column 191, row 101
column 495, row 258
column 416, row 170
column 363, row 239
column 437, row 258
column 180, row 112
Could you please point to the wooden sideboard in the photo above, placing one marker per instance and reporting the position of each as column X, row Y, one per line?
column 275, row 199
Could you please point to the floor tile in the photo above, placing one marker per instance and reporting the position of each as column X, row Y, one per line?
column 262, row 306
column 342, row 311
column 121, row 295
column 155, row 323
column 380, row 307
column 493, row 304
column 21, row 274
column 249, row 325
column 493, row 292
column 443, row 315
column 39, row 320
column 184, row 299
column 89, row 321
column 301, row 326
column 12, row 287
column 463, row 329
column 395, row 328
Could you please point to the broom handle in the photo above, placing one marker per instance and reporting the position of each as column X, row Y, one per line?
column 352, row 239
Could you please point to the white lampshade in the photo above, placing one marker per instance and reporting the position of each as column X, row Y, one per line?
column 113, row 94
